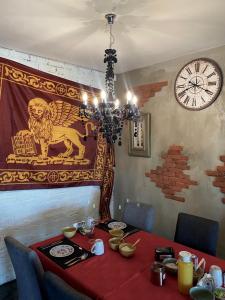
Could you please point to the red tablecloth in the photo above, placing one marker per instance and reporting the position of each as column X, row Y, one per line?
column 113, row 277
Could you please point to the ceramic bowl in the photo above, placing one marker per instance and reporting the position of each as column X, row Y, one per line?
column 219, row 293
column 114, row 243
column 200, row 293
column 116, row 233
column 69, row 232
column 127, row 249
column 170, row 265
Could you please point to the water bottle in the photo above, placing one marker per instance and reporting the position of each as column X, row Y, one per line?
column 185, row 272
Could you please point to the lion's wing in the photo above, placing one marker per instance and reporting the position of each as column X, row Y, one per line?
column 63, row 113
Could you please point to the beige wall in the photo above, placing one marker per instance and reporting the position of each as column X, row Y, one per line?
column 201, row 133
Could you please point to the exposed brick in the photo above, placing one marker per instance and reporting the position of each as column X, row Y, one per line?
column 176, row 198
column 222, row 158
column 170, row 177
column 219, row 184
column 144, row 92
column 211, row 173
column 221, row 169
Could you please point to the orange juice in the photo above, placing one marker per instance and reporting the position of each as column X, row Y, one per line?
column 185, row 272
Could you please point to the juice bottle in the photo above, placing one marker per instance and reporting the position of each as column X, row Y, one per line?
column 185, row 272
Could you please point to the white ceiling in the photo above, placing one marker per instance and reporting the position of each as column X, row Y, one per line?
column 146, row 31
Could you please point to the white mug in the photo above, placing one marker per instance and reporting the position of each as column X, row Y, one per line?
column 216, row 273
column 98, row 247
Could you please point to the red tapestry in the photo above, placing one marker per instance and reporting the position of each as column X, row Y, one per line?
column 42, row 137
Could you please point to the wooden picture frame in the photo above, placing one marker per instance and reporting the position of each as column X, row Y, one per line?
column 140, row 144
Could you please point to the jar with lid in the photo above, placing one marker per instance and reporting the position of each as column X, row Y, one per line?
column 185, row 272
column 158, row 274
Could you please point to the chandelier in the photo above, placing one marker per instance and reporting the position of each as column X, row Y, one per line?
column 107, row 111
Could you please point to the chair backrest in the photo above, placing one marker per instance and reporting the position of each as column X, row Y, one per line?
column 28, row 269
column 58, row 289
column 197, row 232
column 141, row 216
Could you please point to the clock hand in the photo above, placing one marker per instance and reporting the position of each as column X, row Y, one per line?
column 199, row 86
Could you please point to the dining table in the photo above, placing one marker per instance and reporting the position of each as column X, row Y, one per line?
column 112, row 276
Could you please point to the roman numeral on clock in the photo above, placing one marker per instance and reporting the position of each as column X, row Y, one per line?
column 181, row 94
column 205, row 69
column 202, row 99
column 188, row 70
column 209, row 92
column 180, row 86
column 197, row 66
column 212, row 83
column 186, row 100
column 210, row 75
column 193, row 102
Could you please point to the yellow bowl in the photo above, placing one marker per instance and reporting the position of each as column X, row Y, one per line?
column 127, row 249
column 116, row 233
column 69, row 232
column 114, row 243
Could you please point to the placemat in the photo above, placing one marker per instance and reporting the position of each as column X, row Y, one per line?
column 128, row 230
column 63, row 247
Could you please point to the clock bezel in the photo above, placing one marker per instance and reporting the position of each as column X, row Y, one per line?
column 220, row 85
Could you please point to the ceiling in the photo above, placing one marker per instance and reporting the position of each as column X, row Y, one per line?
column 146, row 31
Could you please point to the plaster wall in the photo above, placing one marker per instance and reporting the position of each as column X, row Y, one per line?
column 34, row 215
column 201, row 133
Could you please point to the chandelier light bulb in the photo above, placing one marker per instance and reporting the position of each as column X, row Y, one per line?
column 129, row 97
column 103, row 96
column 117, row 103
column 135, row 100
column 95, row 101
column 85, row 98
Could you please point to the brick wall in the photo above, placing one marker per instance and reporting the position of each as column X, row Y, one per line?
column 219, row 180
column 170, row 177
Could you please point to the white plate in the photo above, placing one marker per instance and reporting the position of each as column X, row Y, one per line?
column 117, row 225
column 61, row 251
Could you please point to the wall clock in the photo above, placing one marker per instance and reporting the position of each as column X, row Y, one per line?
column 198, row 84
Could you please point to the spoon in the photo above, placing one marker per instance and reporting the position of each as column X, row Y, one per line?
column 75, row 259
column 137, row 241
column 202, row 262
column 125, row 235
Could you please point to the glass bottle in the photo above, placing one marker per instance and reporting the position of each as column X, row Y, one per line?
column 185, row 272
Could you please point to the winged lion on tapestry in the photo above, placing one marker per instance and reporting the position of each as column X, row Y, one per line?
column 49, row 124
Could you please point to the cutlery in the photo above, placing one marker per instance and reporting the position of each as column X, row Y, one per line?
column 125, row 235
column 202, row 262
column 137, row 241
column 52, row 244
column 76, row 259
column 132, row 231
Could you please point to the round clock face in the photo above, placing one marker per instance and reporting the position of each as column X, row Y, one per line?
column 198, row 84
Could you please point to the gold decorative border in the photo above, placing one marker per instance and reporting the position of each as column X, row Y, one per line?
column 25, row 176
column 18, row 76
